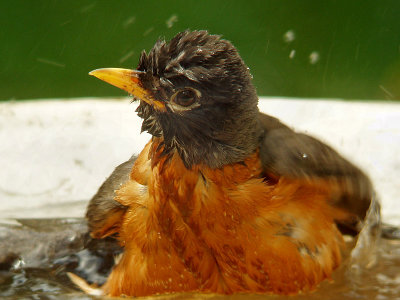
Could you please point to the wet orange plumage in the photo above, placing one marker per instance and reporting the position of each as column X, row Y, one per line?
column 221, row 230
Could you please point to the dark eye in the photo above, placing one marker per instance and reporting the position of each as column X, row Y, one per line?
column 186, row 97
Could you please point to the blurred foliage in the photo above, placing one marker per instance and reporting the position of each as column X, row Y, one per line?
column 299, row 48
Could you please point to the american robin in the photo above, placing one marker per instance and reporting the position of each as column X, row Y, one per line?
column 223, row 198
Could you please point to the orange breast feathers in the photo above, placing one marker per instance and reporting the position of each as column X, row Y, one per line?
column 225, row 230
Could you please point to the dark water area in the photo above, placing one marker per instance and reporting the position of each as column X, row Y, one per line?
column 312, row 48
column 35, row 256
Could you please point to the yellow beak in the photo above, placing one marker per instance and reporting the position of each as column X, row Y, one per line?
column 128, row 80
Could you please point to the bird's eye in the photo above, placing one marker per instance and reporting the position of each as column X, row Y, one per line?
column 185, row 97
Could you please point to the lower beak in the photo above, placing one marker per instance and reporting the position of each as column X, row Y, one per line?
column 128, row 80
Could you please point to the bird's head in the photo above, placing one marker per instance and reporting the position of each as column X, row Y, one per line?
column 195, row 93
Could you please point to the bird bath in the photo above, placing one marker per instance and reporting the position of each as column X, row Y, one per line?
column 57, row 153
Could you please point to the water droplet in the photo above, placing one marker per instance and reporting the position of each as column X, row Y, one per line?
column 129, row 21
column 314, row 57
column 289, row 36
column 172, row 19
column 18, row 264
column 50, row 62
column 148, row 31
column 126, row 56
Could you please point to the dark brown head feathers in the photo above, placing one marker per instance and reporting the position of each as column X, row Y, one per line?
column 220, row 124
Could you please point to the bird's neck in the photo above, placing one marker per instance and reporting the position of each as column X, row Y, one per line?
column 154, row 151
column 231, row 142
column 152, row 164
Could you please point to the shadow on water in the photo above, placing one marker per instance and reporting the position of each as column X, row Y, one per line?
column 44, row 250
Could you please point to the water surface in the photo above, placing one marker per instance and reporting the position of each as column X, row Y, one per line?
column 47, row 249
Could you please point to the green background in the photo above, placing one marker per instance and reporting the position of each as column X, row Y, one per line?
column 48, row 47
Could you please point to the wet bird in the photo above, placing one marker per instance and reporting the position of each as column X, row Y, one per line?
column 223, row 198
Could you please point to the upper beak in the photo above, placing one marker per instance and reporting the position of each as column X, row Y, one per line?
column 129, row 81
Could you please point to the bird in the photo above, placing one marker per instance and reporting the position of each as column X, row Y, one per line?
column 223, row 198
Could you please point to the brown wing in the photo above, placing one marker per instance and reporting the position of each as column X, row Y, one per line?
column 286, row 153
column 103, row 213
